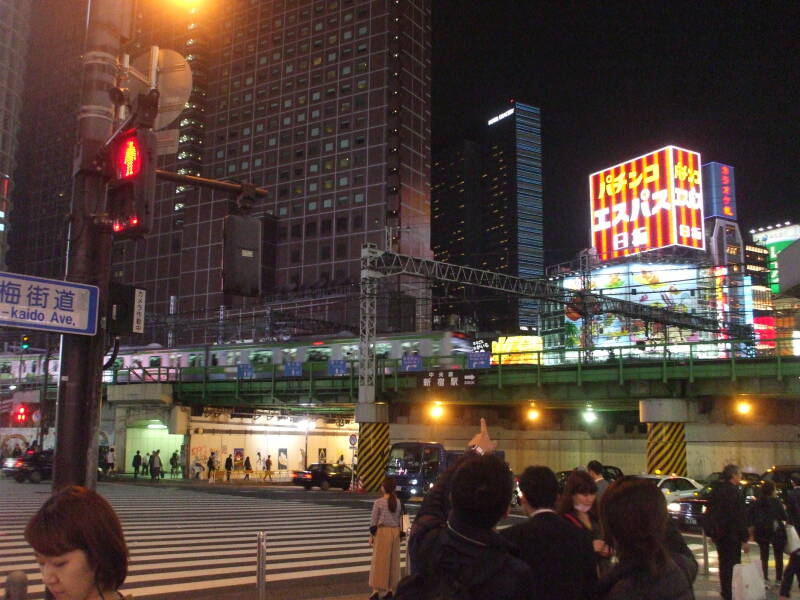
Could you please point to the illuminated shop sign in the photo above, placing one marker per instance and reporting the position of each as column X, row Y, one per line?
column 647, row 203
column 719, row 190
column 530, row 345
column 501, row 116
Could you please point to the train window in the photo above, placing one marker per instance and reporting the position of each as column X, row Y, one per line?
column 175, row 360
column 5, row 367
column 435, row 347
column 195, row 360
column 33, row 366
column 350, row 352
column 262, row 357
column 410, row 347
column 155, row 361
column 318, row 354
column 289, row 355
column 232, row 358
column 382, row 349
column 119, row 363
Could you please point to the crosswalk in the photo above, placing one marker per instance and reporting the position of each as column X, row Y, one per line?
column 182, row 540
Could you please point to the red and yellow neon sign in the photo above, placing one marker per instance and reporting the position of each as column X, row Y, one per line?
column 650, row 202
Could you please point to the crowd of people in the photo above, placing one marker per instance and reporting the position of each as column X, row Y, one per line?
column 261, row 468
column 152, row 465
column 595, row 540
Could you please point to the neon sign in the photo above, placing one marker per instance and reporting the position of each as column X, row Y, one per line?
column 647, row 203
column 494, row 120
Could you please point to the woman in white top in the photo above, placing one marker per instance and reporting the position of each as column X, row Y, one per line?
column 385, row 541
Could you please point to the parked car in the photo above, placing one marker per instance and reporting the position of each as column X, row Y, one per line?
column 324, row 476
column 675, row 487
column 687, row 513
column 31, row 466
column 610, row 474
column 779, row 475
column 748, row 477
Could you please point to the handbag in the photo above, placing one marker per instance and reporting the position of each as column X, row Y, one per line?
column 792, row 540
column 748, row 582
column 405, row 526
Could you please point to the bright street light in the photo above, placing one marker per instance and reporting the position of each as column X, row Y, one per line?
column 589, row 416
column 437, row 410
column 533, row 412
column 744, row 408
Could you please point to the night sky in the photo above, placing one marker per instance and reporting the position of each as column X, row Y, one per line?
column 615, row 80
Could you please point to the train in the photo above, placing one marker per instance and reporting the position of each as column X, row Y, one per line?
column 222, row 361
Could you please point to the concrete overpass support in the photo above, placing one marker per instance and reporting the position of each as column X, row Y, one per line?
column 666, row 434
column 373, row 443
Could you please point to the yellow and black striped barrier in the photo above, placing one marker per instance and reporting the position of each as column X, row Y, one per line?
column 666, row 448
column 373, row 451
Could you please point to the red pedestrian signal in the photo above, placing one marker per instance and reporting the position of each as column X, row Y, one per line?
column 21, row 415
column 129, row 157
column 131, row 190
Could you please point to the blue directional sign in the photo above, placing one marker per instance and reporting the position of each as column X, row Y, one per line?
column 411, row 362
column 48, row 304
column 293, row 369
column 244, row 371
column 337, row 368
column 479, row 360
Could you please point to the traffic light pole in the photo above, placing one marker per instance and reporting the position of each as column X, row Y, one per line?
column 88, row 251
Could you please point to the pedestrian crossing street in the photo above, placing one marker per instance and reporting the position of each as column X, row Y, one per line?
column 182, row 541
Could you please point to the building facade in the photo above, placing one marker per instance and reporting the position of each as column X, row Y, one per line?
column 14, row 31
column 493, row 221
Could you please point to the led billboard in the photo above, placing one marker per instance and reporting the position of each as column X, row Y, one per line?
column 776, row 240
column 647, row 203
column 719, row 190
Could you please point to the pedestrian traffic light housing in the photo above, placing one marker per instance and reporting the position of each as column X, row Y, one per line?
column 132, row 187
column 21, row 415
column 25, row 342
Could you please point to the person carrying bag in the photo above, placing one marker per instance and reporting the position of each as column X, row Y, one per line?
column 748, row 584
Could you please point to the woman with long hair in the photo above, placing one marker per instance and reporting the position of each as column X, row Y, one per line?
column 78, row 542
column 384, row 537
column 767, row 526
column 634, row 518
column 578, row 505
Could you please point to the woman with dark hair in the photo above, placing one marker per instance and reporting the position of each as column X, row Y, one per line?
column 78, row 542
column 634, row 518
column 578, row 506
column 767, row 526
column 384, row 537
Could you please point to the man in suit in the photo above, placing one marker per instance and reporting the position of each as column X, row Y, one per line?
column 560, row 555
column 595, row 469
column 727, row 511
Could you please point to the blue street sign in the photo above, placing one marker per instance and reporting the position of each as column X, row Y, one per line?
column 244, row 371
column 293, row 369
column 48, row 304
column 337, row 368
column 479, row 360
column 411, row 362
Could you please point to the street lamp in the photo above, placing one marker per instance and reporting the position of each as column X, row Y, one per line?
column 744, row 408
column 437, row 410
column 589, row 416
column 306, row 425
column 533, row 412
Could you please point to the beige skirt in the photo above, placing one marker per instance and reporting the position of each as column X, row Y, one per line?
column 385, row 571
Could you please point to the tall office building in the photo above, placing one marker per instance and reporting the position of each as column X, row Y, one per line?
column 494, row 221
column 14, row 28
column 43, row 176
column 324, row 103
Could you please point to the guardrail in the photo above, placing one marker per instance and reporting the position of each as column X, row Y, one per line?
column 261, row 565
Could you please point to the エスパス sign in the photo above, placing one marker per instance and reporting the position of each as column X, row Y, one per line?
column 650, row 202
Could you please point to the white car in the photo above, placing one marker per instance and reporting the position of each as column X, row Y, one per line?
column 675, row 487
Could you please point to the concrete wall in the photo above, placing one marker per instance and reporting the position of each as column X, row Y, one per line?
column 708, row 447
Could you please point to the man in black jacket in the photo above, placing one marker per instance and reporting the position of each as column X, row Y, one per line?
column 453, row 548
column 728, row 515
column 560, row 555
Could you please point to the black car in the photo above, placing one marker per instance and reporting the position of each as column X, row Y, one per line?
column 610, row 474
column 324, row 476
column 687, row 513
column 780, row 476
column 32, row 466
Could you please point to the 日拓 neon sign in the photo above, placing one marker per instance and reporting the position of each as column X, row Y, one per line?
column 508, row 113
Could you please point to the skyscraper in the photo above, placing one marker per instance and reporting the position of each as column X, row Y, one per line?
column 494, row 221
column 323, row 103
column 14, row 27
column 43, row 181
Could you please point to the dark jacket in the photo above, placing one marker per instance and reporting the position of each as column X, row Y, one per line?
column 479, row 559
column 728, row 513
column 137, row 460
column 229, row 464
column 631, row 581
column 793, row 505
column 558, row 553
column 765, row 516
